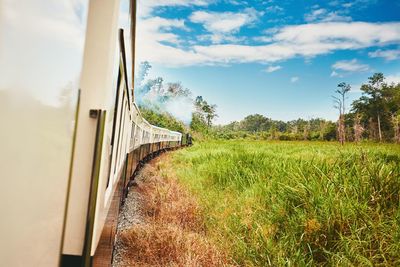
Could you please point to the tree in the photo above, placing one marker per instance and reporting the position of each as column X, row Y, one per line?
column 256, row 123
column 379, row 106
column 306, row 131
column 358, row 129
column 396, row 127
column 273, row 131
column 344, row 88
column 211, row 113
column 205, row 111
column 323, row 125
column 391, row 96
column 373, row 90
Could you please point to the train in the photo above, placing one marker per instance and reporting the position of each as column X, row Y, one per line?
column 72, row 134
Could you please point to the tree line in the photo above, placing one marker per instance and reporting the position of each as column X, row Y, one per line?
column 374, row 116
column 258, row 126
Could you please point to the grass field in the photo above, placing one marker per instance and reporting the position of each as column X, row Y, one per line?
column 297, row 203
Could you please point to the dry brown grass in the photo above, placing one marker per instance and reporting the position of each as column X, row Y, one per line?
column 173, row 234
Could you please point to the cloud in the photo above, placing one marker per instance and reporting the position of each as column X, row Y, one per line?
column 335, row 74
column 223, row 25
column 359, row 4
column 341, row 35
column 386, row 54
column 219, row 38
column 395, row 78
column 274, row 9
column 273, row 68
column 350, row 66
column 305, row 40
column 294, row 79
column 237, row 2
column 151, row 37
column 323, row 15
column 157, row 29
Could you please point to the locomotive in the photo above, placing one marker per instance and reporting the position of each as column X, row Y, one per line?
column 72, row 135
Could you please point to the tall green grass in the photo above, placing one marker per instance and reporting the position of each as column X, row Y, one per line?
column 298, row 203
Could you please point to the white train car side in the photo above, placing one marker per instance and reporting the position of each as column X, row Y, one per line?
column 67, row 163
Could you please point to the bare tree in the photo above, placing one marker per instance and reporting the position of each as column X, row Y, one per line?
column 322, row 128
column 358, row 129
column 306, row 131
column 343, row 89
column 396, row 126
column 374, row 89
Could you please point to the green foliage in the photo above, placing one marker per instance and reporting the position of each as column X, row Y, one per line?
column 205, row 112
column 198, row 124
column 378, row 105
column 259, row 127
column 162, row 119
column 298, row 203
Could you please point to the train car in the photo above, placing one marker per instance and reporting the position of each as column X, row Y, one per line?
column 72, row 136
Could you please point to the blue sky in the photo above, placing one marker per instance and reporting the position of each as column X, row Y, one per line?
column 282, row 59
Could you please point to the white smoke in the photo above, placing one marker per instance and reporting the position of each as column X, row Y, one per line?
column 171, row 98
column 181, row 108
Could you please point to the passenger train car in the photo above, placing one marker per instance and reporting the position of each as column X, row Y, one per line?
column 72, row 135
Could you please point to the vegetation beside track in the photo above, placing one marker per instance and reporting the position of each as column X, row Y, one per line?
column 297, row 203
column 170, row 231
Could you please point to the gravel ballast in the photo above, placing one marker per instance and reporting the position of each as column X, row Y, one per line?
column 130, row 215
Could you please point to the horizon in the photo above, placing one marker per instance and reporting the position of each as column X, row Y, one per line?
column 280, row 59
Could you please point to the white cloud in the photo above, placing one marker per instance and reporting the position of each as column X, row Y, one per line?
column 236, row 2
column 347, row 4
column 223, row 25
column 220, row 37
column 350, row 66
column 335, row 74
column 395, row 78
column 294, row 79
column 335, row 16
column 274, row 9
column 315, row 14
column 386, row 54
column 306, row 40
column 322, row 15
column 273, row 68
column 150, row 35
column 341, row 35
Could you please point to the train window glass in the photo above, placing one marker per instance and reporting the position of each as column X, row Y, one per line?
column 119, row 130
column 132, row 144
column 122, row 149
column 114, row 116
column 137, row 136
column 125, row 24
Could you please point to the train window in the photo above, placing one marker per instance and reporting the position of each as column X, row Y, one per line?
column 114, row 126
column 137, row 136
column 122, row 115
column 132, row 141
column 122, row 148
